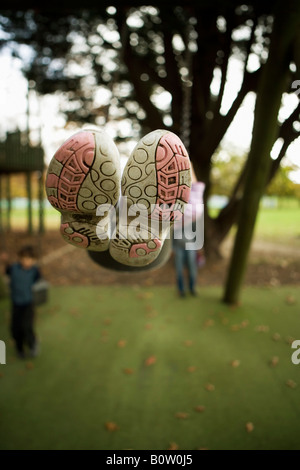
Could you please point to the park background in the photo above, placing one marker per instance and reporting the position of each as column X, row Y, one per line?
column 125, row 363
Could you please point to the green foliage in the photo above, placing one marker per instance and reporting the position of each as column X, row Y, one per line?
column 282, row 185
column 225, row 172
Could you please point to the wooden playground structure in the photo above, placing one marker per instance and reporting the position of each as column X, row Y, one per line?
column 17, row 156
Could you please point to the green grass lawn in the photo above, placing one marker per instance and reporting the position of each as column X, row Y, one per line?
column 124, row 368
column 279, row 225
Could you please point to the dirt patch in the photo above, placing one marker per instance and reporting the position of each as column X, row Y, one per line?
column 63, row 264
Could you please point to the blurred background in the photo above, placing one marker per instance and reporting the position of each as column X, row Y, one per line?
column 125, row 363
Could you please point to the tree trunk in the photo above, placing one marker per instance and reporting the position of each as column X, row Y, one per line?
column 271, row 87
column 29, row 202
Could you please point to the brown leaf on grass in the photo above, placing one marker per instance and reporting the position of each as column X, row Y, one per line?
column 200, row 408
column 274, row 361
column 289, row 339
column 291, row 383
column 192, row 369
column 235, row 327
column 107, row 321
column 150, row 361
column 249, row 427
column 128, row 371
column 145, row 295
column 151, row 314
column 290, row 300
column 210, row 387
column 148, row 326
column 1, row 375
column 202, row 448
column 173, row 446
column 29, row 365
column 276, row 337
column 122, row 343
column 235, row 363
column 111, row 426
column 209, row 322
column 262, row 328
column 188, row 342
column 244, row 323
column 181, row 415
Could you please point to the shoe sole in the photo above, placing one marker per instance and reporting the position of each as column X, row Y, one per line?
column 83, row 174
column 157, row 177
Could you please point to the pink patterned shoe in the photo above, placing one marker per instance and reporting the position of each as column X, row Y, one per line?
column 156, row 185
column 83, row 174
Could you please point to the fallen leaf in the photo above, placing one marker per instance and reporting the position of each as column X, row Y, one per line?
column 290, row 339
column 200, row 408
column 128, row 371
column 290, row 300
column 210, row 387
column 152, row 314
column 122, row 343
column 262, row 328
column 290, row 383
column 150, row 361
column 111, row 426
column 249, row 427
column 181, row 415
column 188, row 342
column 274, row 361
column 145, row 295
column 235, row 327
column 235, row 363
column 173, row 446
column 148, row 326
column 107, row 321
column 29, row 365
column 276, row 337
column 1, row 375
column 192, row 368
column 244, row 323
column 209, row 322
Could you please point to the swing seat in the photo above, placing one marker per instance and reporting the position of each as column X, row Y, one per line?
column 40, row 292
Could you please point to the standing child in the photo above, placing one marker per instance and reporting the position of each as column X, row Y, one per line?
column 23, row 275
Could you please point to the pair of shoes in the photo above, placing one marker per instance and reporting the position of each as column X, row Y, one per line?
column 130, row 216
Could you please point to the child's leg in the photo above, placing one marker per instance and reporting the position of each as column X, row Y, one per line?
column 191, row 258
column 28, row 326
column 179, row 267
column 17, row 328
